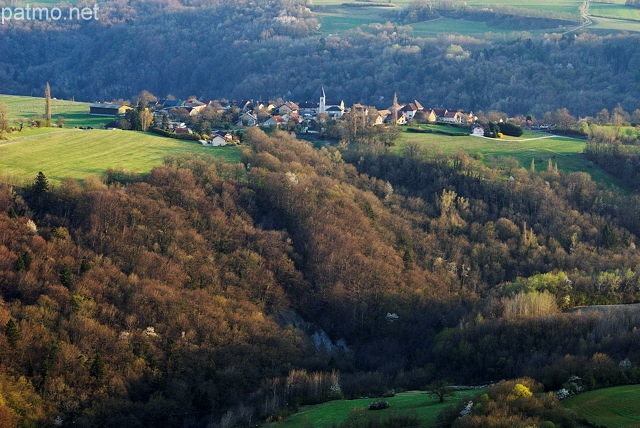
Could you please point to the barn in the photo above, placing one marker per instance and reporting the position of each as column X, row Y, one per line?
column 103, row 109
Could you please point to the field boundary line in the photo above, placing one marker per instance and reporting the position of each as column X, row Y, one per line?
column 39, row 136
column 523, row 139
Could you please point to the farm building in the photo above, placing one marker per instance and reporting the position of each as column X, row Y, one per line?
column 103, row 109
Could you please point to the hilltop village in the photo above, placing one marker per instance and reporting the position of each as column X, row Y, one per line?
column 202, row 117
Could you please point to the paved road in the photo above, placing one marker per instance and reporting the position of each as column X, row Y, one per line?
column 585, row 16
column 38, row 136
column 527, row 139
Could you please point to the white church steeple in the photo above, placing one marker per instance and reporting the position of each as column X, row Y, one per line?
column 322, row 108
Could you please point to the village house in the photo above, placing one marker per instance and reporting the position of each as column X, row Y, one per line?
column 440, row 113
column 247, row 119
column 335, row 111
column 274, row 121
column 217, row 141
column 195, row 111
column 453, row 117
column 477, row 131
column 182, row 130
column 401, row 119
column 411, row 109
column 265, row 106
column 192, row 103
column 429, row 115
column 244, row 105
column 294, row 117
column 287, row 107
column 168, row 104
column 227, row 136
column 308, row 108
column 382, row 115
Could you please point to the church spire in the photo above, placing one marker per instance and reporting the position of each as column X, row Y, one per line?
column 322, row 108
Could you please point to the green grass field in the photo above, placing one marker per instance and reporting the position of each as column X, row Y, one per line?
column 603, row 26
column 76, row 114
column 558, row 6
column 77, row 154
column 618, row 11
column 335, row 18
column 478, row 29
column 608, row 18
column 617, row 407
column 566, row 152
column 414, row 402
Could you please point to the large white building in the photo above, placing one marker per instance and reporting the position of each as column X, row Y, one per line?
column 333, row 108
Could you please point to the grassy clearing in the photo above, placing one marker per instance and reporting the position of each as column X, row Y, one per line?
column 335, row 412
column 617, row 407
column 613, row 17
column 82, row 153
column 618, row 11
column 559, row 6
column 603, row 26
column 566, row 152
column 76, row 114
column 400, row 3
column 336, row 18
column 463, row 27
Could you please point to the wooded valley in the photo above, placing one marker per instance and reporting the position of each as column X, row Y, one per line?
column 191, row 296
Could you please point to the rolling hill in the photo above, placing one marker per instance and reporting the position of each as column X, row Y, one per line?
column 77, row 154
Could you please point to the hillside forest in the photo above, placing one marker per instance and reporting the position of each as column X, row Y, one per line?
column 212, row 294
column 245, row 50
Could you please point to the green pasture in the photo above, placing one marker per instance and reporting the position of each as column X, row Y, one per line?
column 337, row 18
column 417, row 403
column 603, row 26
column 76, row 114
column 617, row 407
column 566, row 152
column 77, row 154
column 617, row 11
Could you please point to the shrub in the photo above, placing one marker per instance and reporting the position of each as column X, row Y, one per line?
column 389, row 393
column 379, row 405
column 510, row 129
column 189, row 137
